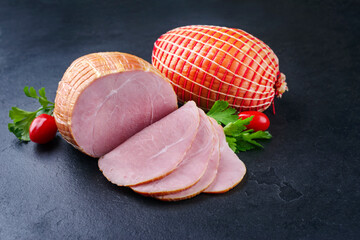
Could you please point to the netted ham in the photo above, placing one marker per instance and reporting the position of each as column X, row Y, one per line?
column 192, row 167
column 155, row 151
column 231, row 169
column 105, row 98
column 209, row 63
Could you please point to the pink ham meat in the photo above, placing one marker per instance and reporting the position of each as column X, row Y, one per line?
column 153, row 152
column 190, row 170
column 123, row 101
column 231, row 169
column 205, row 180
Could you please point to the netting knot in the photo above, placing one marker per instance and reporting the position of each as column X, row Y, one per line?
column 280, row 85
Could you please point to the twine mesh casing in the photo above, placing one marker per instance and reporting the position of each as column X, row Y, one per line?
column 209, row 63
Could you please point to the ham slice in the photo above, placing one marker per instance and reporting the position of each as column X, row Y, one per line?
column 231, row 169
column 190, row 170
column 205, row 180
column 153, row 152
column 105, row 98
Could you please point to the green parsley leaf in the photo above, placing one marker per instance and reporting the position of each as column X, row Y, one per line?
column 42, row 92
column 235, row 128
column 22, row 119
column 260, row 135
column 246, row 140
column 244, row 146
column 31, row 92
column 232, row 143
column 222, row 113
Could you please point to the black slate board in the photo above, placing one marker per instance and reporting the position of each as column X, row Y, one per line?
column 303, row 185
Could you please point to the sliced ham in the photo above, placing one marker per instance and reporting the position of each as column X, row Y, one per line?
column 231, row 169
column 190, row 170
column 105, row 98
column 153, row 152
column 205, row 180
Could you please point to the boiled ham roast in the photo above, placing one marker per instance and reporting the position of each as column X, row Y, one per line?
column 118, row 107
column 105, row 98
column 210, row 63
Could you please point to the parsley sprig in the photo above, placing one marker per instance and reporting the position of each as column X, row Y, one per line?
column 238, row 137
column 22, row 119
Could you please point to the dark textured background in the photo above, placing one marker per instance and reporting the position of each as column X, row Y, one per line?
column 303, row 185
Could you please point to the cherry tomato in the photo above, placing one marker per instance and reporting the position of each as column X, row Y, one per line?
column 42, row 129
column 259, row 122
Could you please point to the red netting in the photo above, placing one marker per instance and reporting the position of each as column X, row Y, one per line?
column 177, row 60
column 200, row 65
column 216, row 70
column 235, row 66
column 192, row 64
column 189, row 67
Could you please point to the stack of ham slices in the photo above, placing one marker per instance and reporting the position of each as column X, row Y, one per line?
column 163, row 152
column 177, row 157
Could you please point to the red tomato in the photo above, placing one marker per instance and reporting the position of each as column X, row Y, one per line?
column 42, row 129
column 259, row 122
